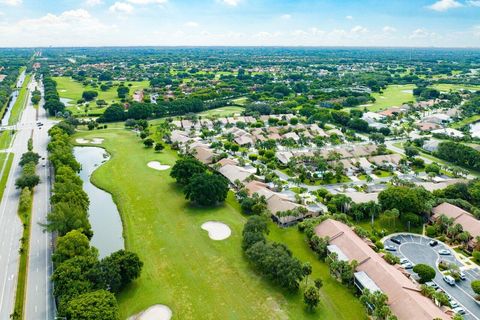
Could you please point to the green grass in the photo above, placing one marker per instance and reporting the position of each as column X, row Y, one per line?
column 221, row 112
column 70, row 89
column 446, row 87
column 5, row 139
column 466, row 121
column 20, row 103
column 8, row 157
column 196, row 277
column 393, row 95
column 240, row 101
column 389, row 227
column 23, row 264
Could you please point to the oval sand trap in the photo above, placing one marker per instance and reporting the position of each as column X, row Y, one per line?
column 97, row 141
column 83, row 141
column 217, row 230
column 156, row 312
column 157, row 166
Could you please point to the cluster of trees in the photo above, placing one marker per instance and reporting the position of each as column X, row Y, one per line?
column 28, row 178
column 69, row 201
column 459, row 154
column 85, row 286
column 412, row 202
column 52, row 99
column 273, row 260
column 89, row 95
column 425, row 93
column 377, row 304
column 6, row 86
column 36, row 96
column 199, row 185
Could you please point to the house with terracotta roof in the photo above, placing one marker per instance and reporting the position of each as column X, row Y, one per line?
column 465, row 218
column 375, row 274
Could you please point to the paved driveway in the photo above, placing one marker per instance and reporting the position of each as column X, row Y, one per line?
column 416, row 249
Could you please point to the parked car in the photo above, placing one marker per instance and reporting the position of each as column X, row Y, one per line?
column 404, row 260
column 454, row 304
column 444, row 252
column 396, row 240
column 432, row 284
column 459, row 310
column 390, row 248
column 407, row 265
column 433, row 243
column 449, row 280
column 462, row 275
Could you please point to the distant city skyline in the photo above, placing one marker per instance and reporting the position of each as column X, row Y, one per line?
column 394, row 23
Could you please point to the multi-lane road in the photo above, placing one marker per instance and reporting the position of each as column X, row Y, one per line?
column 39, row 302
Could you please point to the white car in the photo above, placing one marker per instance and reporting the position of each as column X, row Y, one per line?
column 407, row 265
column 454, row 304
column 444, row 252
column 404, row 260
column 459, row 310
column 390, row 248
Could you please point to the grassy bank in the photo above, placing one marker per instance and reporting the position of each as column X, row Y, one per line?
column 393, row 95
column 6, row 160
column 198, row 278
column 5, row 139
column 24, row 212
column 20, row 103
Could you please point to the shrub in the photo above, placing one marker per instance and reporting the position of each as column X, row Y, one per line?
column 425, row 272
column 391, row 258
column 476, row 255
column 476, row 287
column 431, row 231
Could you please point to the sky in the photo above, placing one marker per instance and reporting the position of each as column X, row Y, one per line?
column 391, row 23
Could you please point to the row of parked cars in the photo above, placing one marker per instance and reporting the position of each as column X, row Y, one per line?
column 456, row 307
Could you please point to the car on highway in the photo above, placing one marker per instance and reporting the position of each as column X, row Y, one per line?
column 390, row 248
column 444, row 252
column 396, row 240
column 449, row 280
column 433, row 243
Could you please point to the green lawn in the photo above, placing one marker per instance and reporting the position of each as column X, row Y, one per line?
column 20, row 103
column 8, row 157
column 5, row 139
column 393, row 95
column 196, row 277
column 222, row 112
column 388, row 226
column 70, row 89
column 445, row 87
column 466, row 121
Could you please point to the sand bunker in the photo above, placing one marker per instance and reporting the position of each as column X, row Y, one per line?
column 157, row 166
column 217, row 230
column 156, row 312
column 97, row 141
column 82, row 141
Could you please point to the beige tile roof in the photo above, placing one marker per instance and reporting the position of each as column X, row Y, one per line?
column 404, row 299
column 467, row 220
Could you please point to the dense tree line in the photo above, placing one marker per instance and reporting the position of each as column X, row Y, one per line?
column 273, row 260
column 459, row 154
column 6, row 87
column 84, row 284
column 52, row 99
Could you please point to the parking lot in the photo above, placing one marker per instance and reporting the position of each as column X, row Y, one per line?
column 417, row 250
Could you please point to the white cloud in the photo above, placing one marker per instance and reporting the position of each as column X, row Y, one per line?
column 92, row 3
column 11, row 2
column 148, row 1
column 358, row 29
column 474, row 3
column 286, row 16
column 232, row 3
column 300, row 33
column 476, row 31
column 349, row 17
column 70, row 28
column 121, row 7
column 191, row 24
column 388, row 29
column 444, row 5
column 419, row 33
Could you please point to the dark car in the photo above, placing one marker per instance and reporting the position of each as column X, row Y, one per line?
column 396, row 240
column 433, row 243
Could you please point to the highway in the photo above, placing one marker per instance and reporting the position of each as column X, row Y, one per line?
column 12, row 228
column 39, row 302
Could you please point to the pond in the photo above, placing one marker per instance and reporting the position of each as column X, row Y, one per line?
column 103, row 213
column 475, row 129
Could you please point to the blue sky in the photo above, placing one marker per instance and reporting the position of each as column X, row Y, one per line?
column 440, row 23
